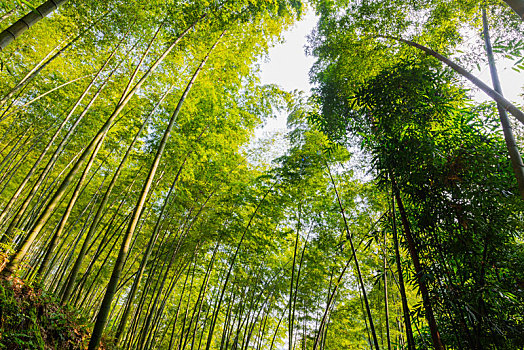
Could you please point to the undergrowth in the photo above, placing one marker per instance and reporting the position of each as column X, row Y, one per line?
column 33, row 319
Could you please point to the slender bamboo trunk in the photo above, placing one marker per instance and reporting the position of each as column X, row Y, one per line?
column 232, row 329
column 511, row 144
column 503, row 102
column 106, row 230
column 116, row 235
column 21, row 142
column 106, row 303
column 329, row 303
column 25, row 225
column 359, row 273
column 386, row 303
column 148, row 213
column 228, row 275
column 156, row 311
column 33, row 73
column 8, row 176
column 65, row 216
column 57, row 257
column 262, row 330
column 155, row 315
column 228, row 322
column 291, row 304
column 145, row 259
column 276, row 331
column 46, row 259
column 104, row 242
column 154, row 272
column 59, row 148
column 76, row 268
column 300, row 263
column 177, row 312
column 402, row 288
column 30, row 102
column 17, row 137
column 26, row 22
column 250, row 329
column 211, row 309
column 188, row 303
column 42, row 219
column 517, row 6
column 435, row 336
column 11, row 167
column 201, row 295
column 21, row 84
column 69, row 254
column 163, row 248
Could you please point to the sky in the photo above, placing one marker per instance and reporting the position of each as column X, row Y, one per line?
column 288, row 65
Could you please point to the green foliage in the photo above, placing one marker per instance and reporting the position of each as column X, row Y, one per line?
column 243, row 255
column 33, row 319
column 460, row 194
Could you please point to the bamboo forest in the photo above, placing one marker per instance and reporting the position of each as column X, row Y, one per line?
column 143, row 206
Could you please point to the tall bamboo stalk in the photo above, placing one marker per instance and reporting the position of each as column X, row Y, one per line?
column 60, row 147
column 511, row 144
column 50, row 207
column 357, row 266
column 94, row 225
column 145, row 258
column 386, row 303
column 501, row 100
column 26, row 22
column 65, row 216
column 402, row 288
column 517, row 6
column 108, row 298
column 230, row 269
column 33, row 73
column 435, row 335
column 291, row 317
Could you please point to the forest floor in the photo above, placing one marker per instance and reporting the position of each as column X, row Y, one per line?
column 33, row 319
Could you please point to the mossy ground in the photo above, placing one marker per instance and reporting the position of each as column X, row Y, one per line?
column 32, row 319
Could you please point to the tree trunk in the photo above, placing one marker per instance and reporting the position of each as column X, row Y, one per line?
column 201, row 296
column 145, row 258
column 43, row 95
column 402, row 288
column 514, row 154
column 435, row 336
column 44, row 216
column 386, row 304
column 29, row 175
column 65, row 216
column 108, row 298
column 517, row 6
column 291, row 304
column 94, row 225
column 26, row 22
column 517, row 113
column 331, row 297
column 276, row 331
column 33, row 73
column 361, row 281
column 21, row 211
column 231, row 264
